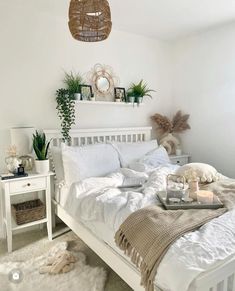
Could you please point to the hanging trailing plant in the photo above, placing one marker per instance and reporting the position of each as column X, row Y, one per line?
column 66, row 112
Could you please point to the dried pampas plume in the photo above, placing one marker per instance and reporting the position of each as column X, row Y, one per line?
column 163, row 122
column 178, row 124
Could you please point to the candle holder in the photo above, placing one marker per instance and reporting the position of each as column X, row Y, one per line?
column 205, row 197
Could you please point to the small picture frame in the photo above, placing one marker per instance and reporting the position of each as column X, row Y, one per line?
column 120, row 94
column 86, row 92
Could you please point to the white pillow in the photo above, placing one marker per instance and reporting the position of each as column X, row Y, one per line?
column 151, row 160
column 56, row 154
column 204, row 172
column 131, row 152
column 88, row 161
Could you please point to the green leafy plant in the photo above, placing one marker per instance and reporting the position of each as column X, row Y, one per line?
column 66, row 112
column 139, row 90
column 73, row 82
column 40, row 145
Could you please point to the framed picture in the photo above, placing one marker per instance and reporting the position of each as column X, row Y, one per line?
column 86, row 92
column 120, row 94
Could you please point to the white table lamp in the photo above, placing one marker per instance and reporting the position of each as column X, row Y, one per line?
column 22, row 137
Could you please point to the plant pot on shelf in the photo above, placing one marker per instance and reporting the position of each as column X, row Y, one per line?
column 77, row 96
column 42, row 166
column 131, row 99
column 118, row 100
column 139, row 100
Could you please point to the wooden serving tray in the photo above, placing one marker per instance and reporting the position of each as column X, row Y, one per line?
column 185, row 205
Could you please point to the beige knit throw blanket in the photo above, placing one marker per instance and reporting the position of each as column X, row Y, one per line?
column 147, row 234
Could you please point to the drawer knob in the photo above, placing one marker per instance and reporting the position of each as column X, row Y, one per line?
column 178, row 162
column 28, row 184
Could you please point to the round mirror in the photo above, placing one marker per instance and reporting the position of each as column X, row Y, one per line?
column 102, row 84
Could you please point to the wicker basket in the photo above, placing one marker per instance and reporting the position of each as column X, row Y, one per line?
column 28, row 211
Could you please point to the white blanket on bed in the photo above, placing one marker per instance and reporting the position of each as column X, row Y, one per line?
column 98, row 199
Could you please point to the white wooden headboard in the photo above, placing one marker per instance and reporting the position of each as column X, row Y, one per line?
column 90, row 136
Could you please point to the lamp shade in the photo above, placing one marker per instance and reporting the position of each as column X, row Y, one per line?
column 22, row 137
column 90, row 20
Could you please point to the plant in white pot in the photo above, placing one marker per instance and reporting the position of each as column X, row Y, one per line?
column 73, row 81
column 137, row 92
column 41, row 146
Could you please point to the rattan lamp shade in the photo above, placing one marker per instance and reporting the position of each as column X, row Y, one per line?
column 90, row 20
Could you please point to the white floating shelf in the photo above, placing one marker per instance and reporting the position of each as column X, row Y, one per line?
column 109, row 103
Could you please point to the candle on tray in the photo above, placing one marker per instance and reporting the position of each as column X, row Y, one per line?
column 205, row 197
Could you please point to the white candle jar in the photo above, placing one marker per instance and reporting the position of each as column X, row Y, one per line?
column 205, row 197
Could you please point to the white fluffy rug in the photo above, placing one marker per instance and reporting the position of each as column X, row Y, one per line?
column 81, row 278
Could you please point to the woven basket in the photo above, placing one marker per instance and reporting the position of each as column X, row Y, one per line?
column 28, row 211
column 90, row 20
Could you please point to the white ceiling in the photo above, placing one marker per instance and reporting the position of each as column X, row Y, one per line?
column 170, row 19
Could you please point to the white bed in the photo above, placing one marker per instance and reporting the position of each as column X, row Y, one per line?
column 220, row 278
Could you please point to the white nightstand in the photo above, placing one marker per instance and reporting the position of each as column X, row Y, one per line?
column 180, row 160
column 24, row 185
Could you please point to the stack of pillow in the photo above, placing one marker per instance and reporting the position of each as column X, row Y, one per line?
column 73, row 164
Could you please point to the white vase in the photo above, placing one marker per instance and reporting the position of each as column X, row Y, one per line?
column 131, row 99
column 77, row 96
column 140, row 99
column 42, row 167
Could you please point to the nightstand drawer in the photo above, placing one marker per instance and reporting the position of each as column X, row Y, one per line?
column 180, row 161
column 27, row 185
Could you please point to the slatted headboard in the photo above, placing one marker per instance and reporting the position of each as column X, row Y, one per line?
column 90, row 136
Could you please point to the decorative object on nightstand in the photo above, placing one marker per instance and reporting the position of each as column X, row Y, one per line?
column 178, row 151
column 179, row 160
column 21, row 137
column 25, row 212
column 12, row 161
column 167, row 127
column 41, row 146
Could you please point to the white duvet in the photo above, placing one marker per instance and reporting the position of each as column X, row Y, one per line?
column 98, row 200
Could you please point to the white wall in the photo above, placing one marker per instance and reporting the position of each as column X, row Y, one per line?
column 204, row 86
column 36, row 46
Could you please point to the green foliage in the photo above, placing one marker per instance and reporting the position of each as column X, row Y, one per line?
column 40, row 145
column 73, row 82
column 66, row 112
column 139, row 90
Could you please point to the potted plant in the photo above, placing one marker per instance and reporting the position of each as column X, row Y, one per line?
column 136, row 92
column 66, row 112
column 41, row 146
column 73, row 82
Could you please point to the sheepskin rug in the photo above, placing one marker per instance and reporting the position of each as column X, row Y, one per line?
column 82, row 278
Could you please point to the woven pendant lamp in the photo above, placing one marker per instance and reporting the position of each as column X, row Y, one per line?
column 90, row 20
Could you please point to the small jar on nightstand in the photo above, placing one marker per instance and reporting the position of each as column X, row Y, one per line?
column 180, row 159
